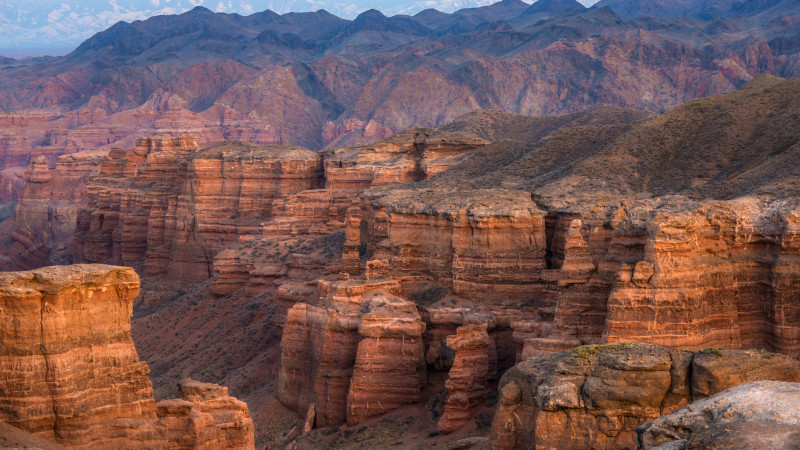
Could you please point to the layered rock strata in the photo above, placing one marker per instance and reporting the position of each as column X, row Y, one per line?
column 45, row 215
column 467, row 380
column 668, row 271
column 168, row 207
column 359, row 354
column 751, row 416
column 596, row 396
column 482, row 243
column 72, row 374
column 205, row 417
column 389, row 369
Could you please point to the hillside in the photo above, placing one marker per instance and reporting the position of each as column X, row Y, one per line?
column 742, row 143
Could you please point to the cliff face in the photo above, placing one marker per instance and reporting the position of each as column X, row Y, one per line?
column 46, row 213
column 166, row 205
column 357, row 355
column 479, row 243
column 72, row 374
column 596, row 396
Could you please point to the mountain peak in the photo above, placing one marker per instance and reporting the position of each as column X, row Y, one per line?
column 554, row 6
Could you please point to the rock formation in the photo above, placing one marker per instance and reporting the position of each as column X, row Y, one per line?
column 755, row 415
column 467, row 380
column 205, row 417
column 46, row 213
column 357, row 355
column 389, row 369
column 596, row 396
column 72, row 374
column 166, row 205
column 479, row 243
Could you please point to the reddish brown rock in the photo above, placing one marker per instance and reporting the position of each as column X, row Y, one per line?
column 72, row 374
column 183, row 205
column 357, row 355
column 596, row 396
column 467, row 380
column 482, row 243
column 206, row 417
column 389, row 369
column 706, row 279
column 45, row 215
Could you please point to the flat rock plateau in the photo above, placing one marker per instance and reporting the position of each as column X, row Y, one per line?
column 514, row 226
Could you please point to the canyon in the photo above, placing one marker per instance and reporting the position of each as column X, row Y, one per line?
column 304, row 270
column 423, row 254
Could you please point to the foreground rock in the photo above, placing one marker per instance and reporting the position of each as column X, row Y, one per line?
column 596, row 396
column 71, row 374
column 751, row 416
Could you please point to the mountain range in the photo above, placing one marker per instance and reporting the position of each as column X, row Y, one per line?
column 318, row 80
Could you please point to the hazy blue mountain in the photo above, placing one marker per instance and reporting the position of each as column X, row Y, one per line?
column 60, row 25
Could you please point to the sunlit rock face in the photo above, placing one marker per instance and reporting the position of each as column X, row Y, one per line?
column 72, row 374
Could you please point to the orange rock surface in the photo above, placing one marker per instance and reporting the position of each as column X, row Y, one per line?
column 467, row 380
column 71, row 373
column 181, row 205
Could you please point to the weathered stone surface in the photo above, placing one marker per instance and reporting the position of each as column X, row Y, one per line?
column 596, row 396
column 467, row 380
column 168, row 207
column 71, row 373
column 359, row 355
column 712, row 274
column 756, row 415
column 481, row 243
column 46, row 213
column 389, row 369
column 206, row 417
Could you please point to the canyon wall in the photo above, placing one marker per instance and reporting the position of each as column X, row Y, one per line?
column 668, row 271
column 72, row 374
column 166, row 206
column 47, row 210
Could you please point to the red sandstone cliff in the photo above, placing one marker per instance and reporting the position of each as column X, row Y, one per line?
column 72, row 374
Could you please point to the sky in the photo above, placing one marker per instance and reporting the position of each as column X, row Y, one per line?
column 39, row 27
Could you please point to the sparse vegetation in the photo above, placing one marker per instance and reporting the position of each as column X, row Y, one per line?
column 585, row 351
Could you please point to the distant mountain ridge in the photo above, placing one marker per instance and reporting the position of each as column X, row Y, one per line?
column 62, row 24
column 317, row 80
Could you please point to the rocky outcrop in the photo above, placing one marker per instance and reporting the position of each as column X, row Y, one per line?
column 46, row 213
column 205, row 417
column 751, row 416
column 467, row 380
column 357, row 355
column 389, row 369
column 715, row 274
column 71, row 373
column 596, row 396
